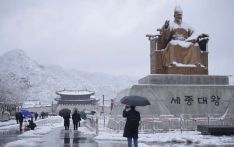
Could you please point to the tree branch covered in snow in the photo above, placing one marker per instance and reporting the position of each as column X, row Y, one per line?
column 13, row 89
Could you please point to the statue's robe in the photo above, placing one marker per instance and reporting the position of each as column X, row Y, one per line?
column 177, row 48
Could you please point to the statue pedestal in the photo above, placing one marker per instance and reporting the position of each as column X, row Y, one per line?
column 179, row 102
column 196, row 95
column 179, row 79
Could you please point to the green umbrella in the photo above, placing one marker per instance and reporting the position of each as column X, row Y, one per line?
column 83, row 115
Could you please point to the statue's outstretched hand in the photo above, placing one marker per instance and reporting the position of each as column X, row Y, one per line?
column 166, row 24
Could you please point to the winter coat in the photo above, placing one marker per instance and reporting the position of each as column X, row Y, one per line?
column 17, row 114
column 132, row 123
column 20, row 117
column 76, row 117
column 31, row 125
column 66, row 120
column 36, row 115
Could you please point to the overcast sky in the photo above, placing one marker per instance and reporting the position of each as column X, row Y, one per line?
column 109, row 35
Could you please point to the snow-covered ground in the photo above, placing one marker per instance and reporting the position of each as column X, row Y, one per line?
column 33, row 137
column 171, row 138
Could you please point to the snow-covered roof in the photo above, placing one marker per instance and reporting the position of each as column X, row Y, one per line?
column 75, row 92
column 31, row 103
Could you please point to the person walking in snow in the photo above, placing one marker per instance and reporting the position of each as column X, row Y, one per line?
column 36, row 115
column 21, row 119
column 17, row 117
column 66, row 121
column 132, row 124
column 76, row 118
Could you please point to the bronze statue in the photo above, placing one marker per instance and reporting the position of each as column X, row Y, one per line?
column 179, row 46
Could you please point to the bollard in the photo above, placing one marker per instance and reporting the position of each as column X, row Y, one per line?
column 208, row 119
column 97, row 131
column 104, row 121
column 180, row 124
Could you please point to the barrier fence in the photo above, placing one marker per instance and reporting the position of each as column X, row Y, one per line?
column 170, row 123
column 157, row 124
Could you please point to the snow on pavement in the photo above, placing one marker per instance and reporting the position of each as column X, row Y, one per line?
column 34, row 137
column 175, row 138
column 170, row 138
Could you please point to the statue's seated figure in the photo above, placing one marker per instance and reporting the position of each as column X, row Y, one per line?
column 181, row 45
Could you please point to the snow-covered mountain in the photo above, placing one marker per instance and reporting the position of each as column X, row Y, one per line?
column 40, row 82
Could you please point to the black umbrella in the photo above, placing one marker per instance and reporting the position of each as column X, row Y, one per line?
column 64, row 112
column 133, row 100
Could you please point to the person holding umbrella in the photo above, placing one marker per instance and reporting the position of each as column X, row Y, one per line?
column 133, row 117
column 66, row 121
column 132, row 124
column 65, row 113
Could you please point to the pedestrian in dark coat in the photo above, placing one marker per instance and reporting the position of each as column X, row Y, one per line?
column 17, row 117
column 43, row 114
column 76, row 119
column 31, row 125
column 21, row 119
column 36, row 115
column 132, row 124
column 66, row 121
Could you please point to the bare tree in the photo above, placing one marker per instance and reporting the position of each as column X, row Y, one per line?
column 13, row 90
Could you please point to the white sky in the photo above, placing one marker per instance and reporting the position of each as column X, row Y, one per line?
column 109, row 35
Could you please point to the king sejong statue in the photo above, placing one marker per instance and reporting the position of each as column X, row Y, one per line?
column 180, row 45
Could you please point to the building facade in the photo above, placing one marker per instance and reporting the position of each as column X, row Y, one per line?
column 80, row 99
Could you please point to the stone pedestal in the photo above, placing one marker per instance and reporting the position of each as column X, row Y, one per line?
column 196, row 95
column 184, row 79
column 180, row 102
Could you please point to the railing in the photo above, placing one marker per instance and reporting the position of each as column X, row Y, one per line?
column 162, row 123
column 92, row 123
column 153, row 124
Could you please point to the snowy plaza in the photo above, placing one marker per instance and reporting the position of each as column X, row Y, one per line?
column 50, row 133
column 116, row 73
